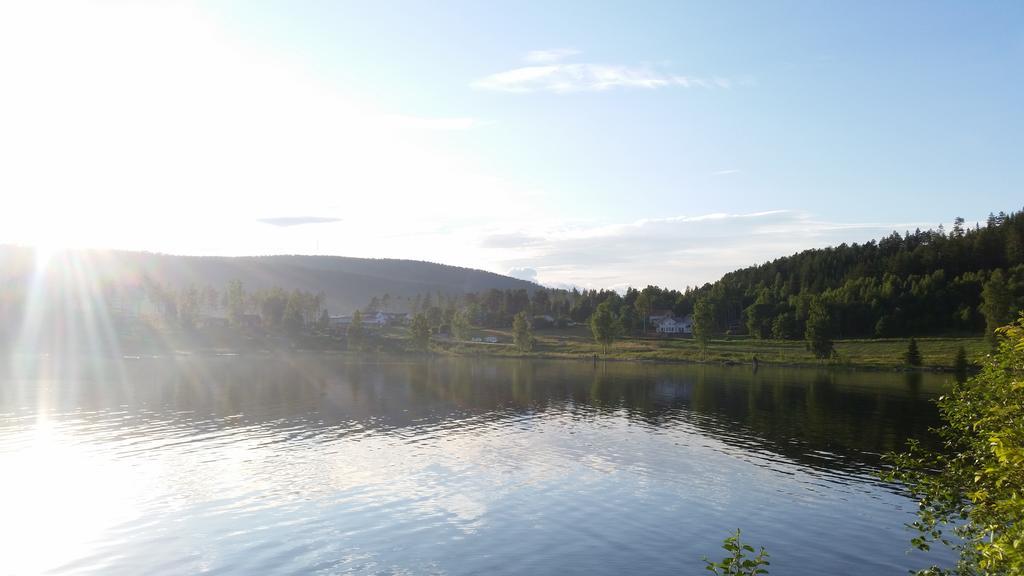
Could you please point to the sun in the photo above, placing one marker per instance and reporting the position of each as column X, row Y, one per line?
column 44, row 254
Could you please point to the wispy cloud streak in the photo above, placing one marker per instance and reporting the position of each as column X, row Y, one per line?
column 547, row 73
column 543, row 56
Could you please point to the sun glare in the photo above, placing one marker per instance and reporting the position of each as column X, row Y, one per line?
column 45, row 252
column 58, row 499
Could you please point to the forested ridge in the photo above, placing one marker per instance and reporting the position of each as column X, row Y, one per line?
column 917, row 283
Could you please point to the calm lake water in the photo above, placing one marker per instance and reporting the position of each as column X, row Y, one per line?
column 324, row 465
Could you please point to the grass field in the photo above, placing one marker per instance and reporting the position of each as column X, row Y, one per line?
column 575, row 342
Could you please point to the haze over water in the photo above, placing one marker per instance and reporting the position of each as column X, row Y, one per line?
column 322, row 464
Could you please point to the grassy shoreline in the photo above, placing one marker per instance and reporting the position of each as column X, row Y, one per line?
column 937, row 353
column 576, row 343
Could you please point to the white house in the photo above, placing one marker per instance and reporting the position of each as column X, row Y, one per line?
column 674, row 325
column 376, row 319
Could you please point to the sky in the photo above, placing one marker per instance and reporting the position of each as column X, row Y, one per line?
column 593, row 144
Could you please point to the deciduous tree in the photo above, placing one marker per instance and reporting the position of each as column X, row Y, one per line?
column 818, row 332
column 604, row 326
column 973, row 486
column 522, row 334
column 356, row 334
column 419, row 332
column 703, row 323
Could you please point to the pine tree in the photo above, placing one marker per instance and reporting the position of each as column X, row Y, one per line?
column 420, row 332
column 356, row 333
column 961, row 365
column 996, row 303
column 703, row 323
column 913, row 355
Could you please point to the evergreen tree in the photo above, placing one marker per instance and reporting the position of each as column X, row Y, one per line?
column 235, row 296
column 960, row 365
column 272, row 305
column 522, row 335
column 759, row 318
column 419, row 332
column 703, row 323
column 913, row 355
column 818, row 332
column 996, row 303
column 629, row 320
column 188, row 307
column 292, row 319
column 356, row 334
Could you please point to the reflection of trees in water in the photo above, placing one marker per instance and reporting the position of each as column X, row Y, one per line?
column 818, row 418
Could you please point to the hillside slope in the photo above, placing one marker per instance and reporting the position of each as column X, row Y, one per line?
column 920, row 283
column 347, row 283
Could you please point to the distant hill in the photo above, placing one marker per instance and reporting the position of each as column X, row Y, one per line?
column 347, row 283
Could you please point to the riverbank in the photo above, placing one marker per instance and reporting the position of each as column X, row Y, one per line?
column 937, row 354
column 575, row 343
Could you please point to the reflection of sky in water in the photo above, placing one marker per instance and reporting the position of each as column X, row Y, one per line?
column 449, row 467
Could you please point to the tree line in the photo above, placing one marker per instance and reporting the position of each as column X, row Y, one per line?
column 931, row 282
column 969, row 280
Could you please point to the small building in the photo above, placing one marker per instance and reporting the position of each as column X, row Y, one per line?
column 543, row 321
column 335, row 323
column 376, row 319
column 674, row 325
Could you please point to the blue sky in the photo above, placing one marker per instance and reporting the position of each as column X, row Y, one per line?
column 585, row 143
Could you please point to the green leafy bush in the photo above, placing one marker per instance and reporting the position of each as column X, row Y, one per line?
column 738, row 562
column 974, row 486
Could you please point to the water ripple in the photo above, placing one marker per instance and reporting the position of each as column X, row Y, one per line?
column 242, row 465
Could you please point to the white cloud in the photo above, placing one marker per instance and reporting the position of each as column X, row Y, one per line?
column 528, row 274
column 548, row 74
column 543, row 56
column 588, row 77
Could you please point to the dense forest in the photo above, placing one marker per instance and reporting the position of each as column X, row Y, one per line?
column 917, row 283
